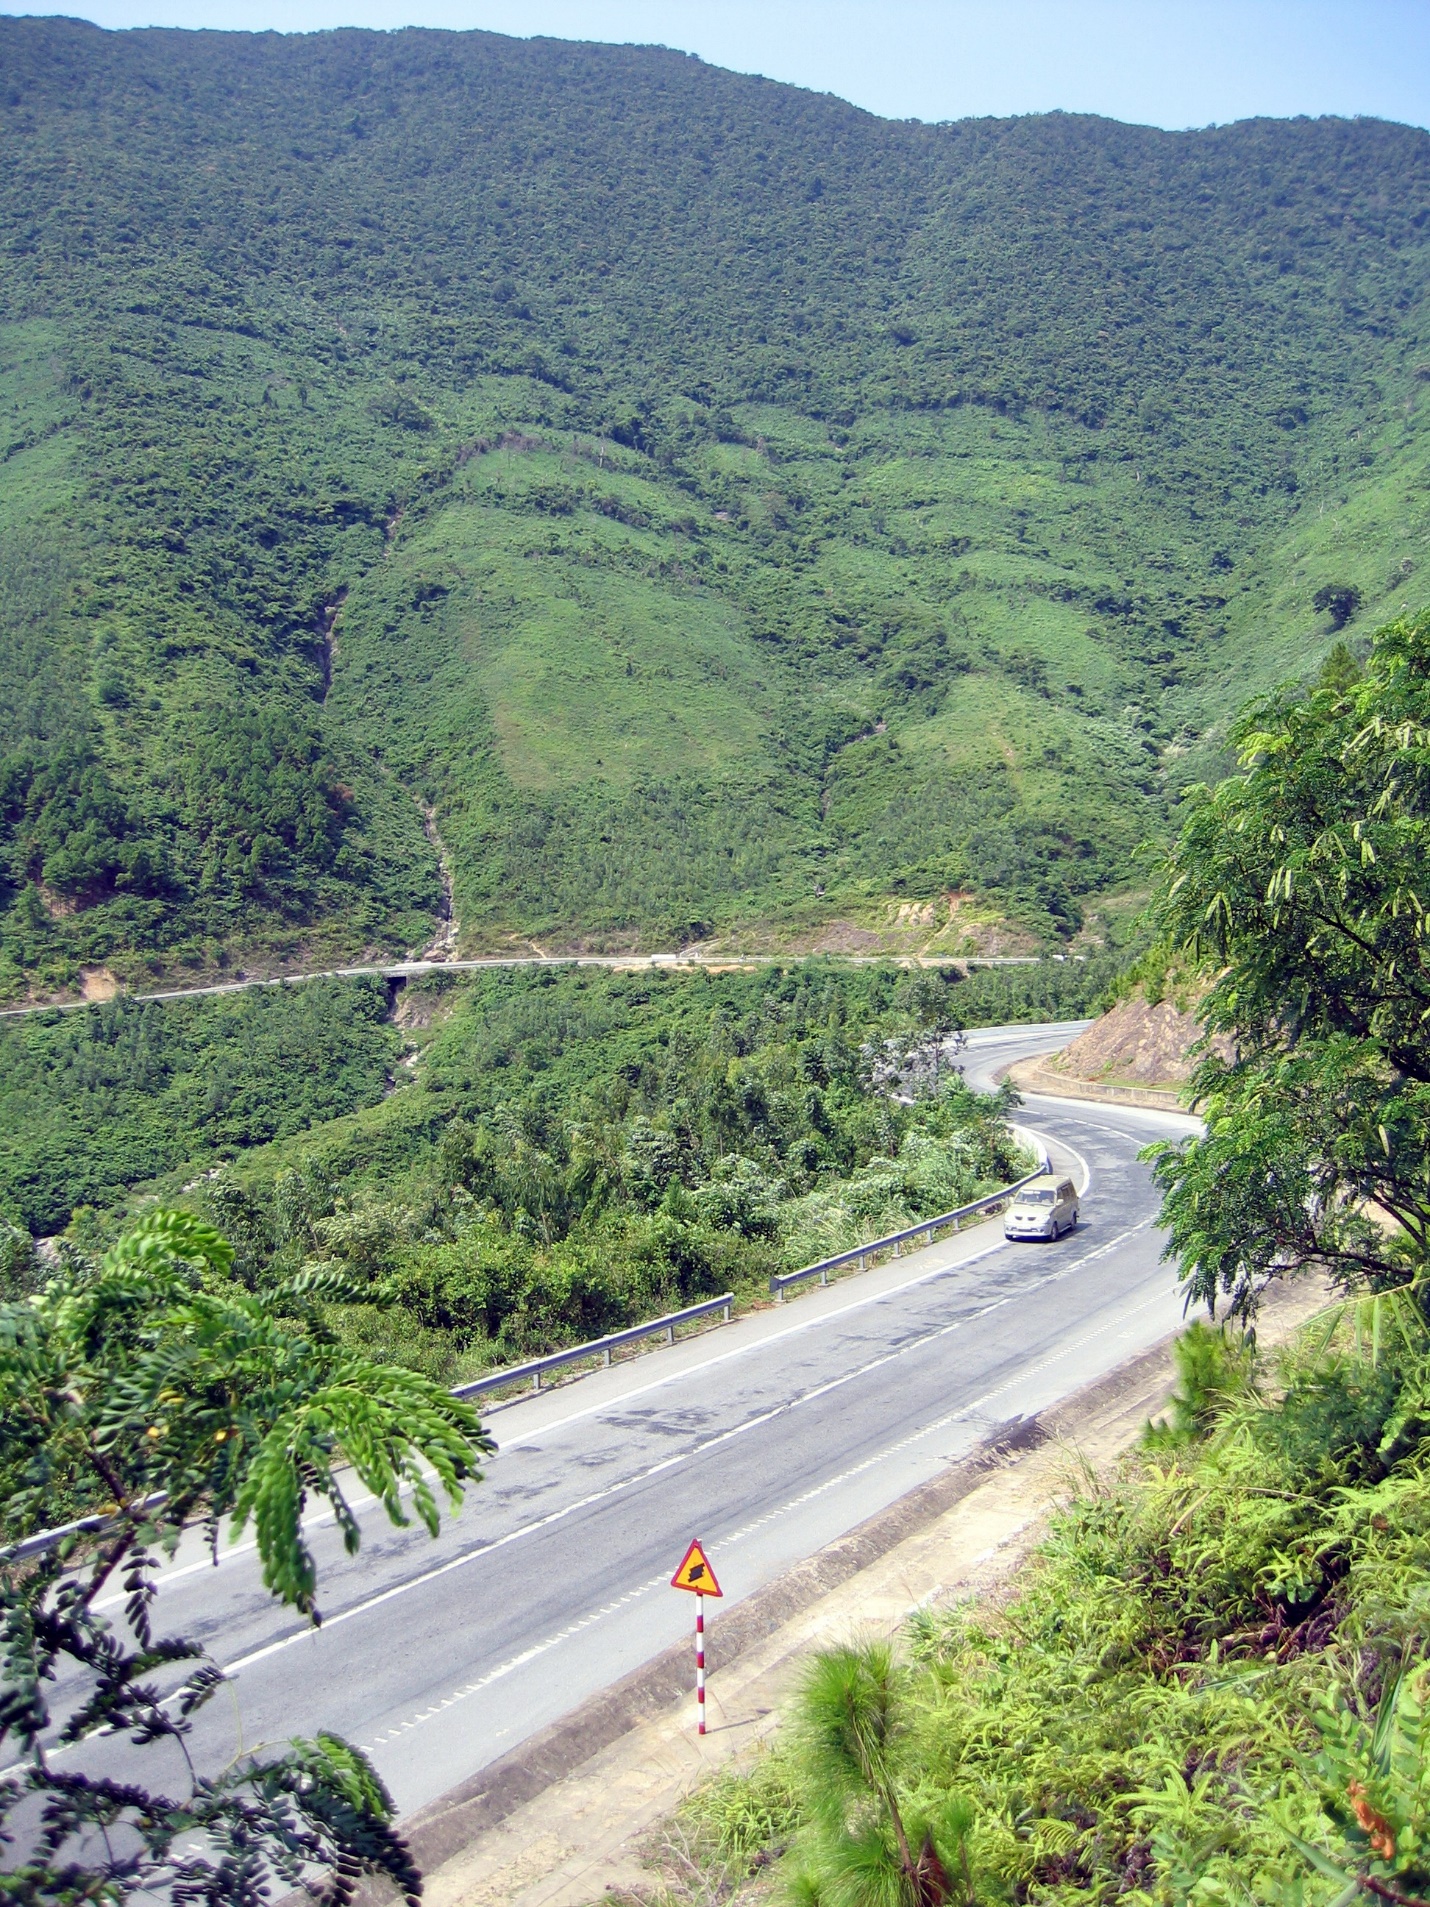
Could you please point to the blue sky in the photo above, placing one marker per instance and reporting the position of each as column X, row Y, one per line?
column 1163, row 62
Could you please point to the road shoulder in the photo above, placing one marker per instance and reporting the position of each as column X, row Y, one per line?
column 563, row 1819
column 1036, row 1076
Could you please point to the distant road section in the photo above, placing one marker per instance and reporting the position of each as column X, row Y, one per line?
column 413, row 969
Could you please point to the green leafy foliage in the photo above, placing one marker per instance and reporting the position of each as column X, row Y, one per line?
column 1339, row 601
column 566, row 1150
column 96, row 1101
column 1301, row 882
column 580, row 1149
column 717, row 505
column 1373, row 1779
column 151, row 1389
column 852, row 1709
column 1213, row 1370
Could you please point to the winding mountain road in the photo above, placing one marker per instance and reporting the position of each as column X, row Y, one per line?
column 767, row 1438
column 404, row 970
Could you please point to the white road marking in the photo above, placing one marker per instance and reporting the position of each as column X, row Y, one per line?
column 723, row 1545
column 515, row 1662
column 322, row 1517
column 800, row 1324
column 686, row 1456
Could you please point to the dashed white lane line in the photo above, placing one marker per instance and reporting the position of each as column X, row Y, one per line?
column 612, row 1403
column 683, row 1457
column 725, row 1544
column 752, row 1423
column 684, row 1375
column 515, row 1662
column 670, row 1463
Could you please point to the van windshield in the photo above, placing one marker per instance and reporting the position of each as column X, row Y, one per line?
column 1035, row 1198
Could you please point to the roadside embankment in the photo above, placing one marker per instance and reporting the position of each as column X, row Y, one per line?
column 1036, row 1076
column 1137, row 1054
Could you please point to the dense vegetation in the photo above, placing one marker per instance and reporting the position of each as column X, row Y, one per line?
column 97, row 1102
column 1211, row 1685
column 577, row 1150
column 719, row 507
column 1208, row 1686
column 150, row 1386
column 1301, row 884
column 94, row 1102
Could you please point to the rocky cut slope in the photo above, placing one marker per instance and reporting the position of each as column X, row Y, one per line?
column 716, row 508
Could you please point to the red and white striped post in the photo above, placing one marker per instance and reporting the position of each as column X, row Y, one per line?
column 700, row 1664
column 696, row 1575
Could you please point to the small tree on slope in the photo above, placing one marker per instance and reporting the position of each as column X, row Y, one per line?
column 151, row 1388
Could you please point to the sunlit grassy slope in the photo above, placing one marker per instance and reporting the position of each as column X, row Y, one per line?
column 697, row 506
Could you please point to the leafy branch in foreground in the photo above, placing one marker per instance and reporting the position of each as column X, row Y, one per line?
column 1303, row 883
column 152, row 1390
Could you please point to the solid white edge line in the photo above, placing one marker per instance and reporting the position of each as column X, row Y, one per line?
column 681, row 1458
column 325, row 1517
column 389, row 1731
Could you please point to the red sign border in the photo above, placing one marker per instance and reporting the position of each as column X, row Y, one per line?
column 689, row 1588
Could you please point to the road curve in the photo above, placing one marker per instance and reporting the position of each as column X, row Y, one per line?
column 767, row 1439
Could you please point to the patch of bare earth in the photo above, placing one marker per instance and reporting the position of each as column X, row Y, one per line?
column 843, row 937
column 608, row 944
column 97, row 983
column 1136, row 1044
column 417, row 1006
column 949, row 926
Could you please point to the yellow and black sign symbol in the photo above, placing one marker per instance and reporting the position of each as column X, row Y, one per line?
column 696, row 1574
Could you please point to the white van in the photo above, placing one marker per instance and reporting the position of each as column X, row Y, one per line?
column 1045, row 1207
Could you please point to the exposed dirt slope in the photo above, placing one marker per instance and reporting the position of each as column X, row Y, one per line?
column 1135, row 1044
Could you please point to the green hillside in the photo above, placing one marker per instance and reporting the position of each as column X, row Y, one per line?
column 695, row 505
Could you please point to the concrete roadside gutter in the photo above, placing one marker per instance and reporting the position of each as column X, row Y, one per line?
column 563, row 1819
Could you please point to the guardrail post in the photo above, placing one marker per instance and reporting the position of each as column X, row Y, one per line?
column 898, row 1248
column 728, row 1310
column 824, row 1276
column 536, row 1380
column 670, row 1334
column 606, row 1357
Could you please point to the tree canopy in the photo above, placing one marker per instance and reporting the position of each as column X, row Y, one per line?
column 701, row 503
column 1302, row 884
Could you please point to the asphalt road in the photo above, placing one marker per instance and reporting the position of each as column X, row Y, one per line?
column 767, row 1439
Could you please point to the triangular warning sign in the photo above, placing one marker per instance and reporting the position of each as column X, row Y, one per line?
column 696, row 1574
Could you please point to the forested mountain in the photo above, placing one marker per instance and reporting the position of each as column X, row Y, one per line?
column 693, row 501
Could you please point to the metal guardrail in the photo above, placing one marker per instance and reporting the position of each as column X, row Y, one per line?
column 895, row 1242
column 597, row 1347
column 44, row 1540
